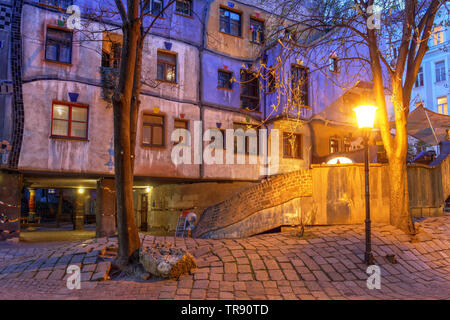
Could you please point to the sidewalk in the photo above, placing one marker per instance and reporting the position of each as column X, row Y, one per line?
column 325, row 264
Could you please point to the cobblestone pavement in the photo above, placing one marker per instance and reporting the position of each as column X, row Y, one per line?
column 324, row 264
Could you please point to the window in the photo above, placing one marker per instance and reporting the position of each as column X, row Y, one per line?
column 334, row 144
column 224, row 80
column 438, row 35
column 57, row 3
column 167, row 67
column 440, row 71
column 180, row 124
column 111, row 54
column 248, row 136
column 184, row 7
column 155, row 8
column 334, row 65
column 58, row 45
column 419, row 79
column 347, row 143
column 271, row 80
column 299, row 85
column 249, row 91
column 230, row 22
column 257, row 30
column 292, row 145
column 153, row 130
column 69, row 120
column 442, row 105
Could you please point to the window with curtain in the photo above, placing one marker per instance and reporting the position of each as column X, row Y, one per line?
column 167, row 67
column 153, row 130
column 442, row 105
column 230, row 22
column 257, row 31
column 69, row 120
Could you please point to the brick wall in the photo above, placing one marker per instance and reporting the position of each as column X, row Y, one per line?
column 269, row 193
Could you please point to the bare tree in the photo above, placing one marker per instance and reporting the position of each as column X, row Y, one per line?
column 134, row 19
column 387, row 48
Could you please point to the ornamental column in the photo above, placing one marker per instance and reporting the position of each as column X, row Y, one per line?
column 32, row 205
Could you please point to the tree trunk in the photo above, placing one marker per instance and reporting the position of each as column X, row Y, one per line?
column 399, row 204
column 129, row 242
column 136, row 101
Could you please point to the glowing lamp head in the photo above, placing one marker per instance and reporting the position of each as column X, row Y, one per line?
column 365, row 115
column 80, row 190
column 148, row 189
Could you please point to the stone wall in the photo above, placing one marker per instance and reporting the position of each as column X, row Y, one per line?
column 339, row 193
column 269, row 193
column 428, row 188
column 323, row 195
column 445, row 176
column 168, row 201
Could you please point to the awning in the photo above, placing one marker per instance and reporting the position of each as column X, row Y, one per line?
column 428, row 126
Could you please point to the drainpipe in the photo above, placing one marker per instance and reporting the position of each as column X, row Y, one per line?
column 200, row 81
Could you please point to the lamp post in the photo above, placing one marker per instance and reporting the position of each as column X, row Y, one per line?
column 365, row 115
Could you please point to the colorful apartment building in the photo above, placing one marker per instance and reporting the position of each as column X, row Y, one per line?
column 56, row 121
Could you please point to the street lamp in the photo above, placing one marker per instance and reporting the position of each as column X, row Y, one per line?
column 365, row 115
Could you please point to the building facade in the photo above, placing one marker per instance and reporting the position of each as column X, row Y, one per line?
column 432, row 83
column 195, row 73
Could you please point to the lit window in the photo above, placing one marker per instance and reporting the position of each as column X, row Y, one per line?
column 334, row 145
column 167, row 67
column 58, row 45
column 440, row 71
column 111, row 51
column 442, row 105
column 69, row 120
column 230, row 22
column 419, row 79
column 438, row 35
column 224, row 80
column 184, row 7
column 257, row 30
column 153, row 130
column 292, row 145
